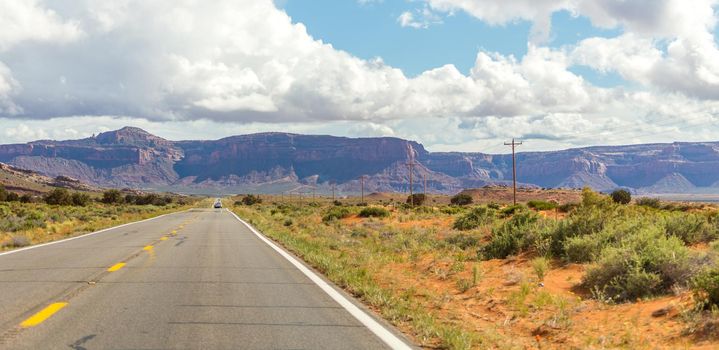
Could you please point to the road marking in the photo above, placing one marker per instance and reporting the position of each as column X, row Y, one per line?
column 375, row 327
column 173, row 232
column 116, row 267
column 87, row 235
column 43, row 315
column 163, row 238
column 148, row 248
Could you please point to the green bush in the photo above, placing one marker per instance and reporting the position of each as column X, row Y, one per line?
column 80, row 199
column 461, row 199
column 594, row 199
column 642, row 264
column 541, row 205
column 251, row 199
column 621, row 196
column 649, row 202
column 336, row 213
column 705, row 287
column 112, row 197
column 567, row 207
column 58, row 196
column 690, row 228
column 479, row 216
column 514, row 235
column 12, row 197
column 416, row 199
column 451, row 210
column 3, row 193
column 511, row 210
column 463, row 241
column 373, row 212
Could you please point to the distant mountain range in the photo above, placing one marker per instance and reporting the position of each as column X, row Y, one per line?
column 282, row 162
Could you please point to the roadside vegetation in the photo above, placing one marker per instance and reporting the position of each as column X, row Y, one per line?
column 27, row 220
column 599, row 273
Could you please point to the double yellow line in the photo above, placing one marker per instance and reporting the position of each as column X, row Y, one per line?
column 53, row 308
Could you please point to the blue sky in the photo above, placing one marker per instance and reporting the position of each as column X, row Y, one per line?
column 372, row 30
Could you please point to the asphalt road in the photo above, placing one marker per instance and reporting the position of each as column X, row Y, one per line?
column 198, row 279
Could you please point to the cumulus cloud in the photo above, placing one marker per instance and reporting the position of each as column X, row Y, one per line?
column 246, row 62
column 689, row 64
column 8, row 87
column 27, row 20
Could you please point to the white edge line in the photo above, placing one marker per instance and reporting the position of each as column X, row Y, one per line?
column 380, row 331
column 88, row 234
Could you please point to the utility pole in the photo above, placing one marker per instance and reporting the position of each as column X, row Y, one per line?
column 424, row 189
column 514, row 167
column 333, row 191
column 411, row 165
column 362, row 182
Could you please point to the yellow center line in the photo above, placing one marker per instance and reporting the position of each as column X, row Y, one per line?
column 148, row 248
column 43, row 315
column 116, row 267
column 163, row 238
column 174, row 232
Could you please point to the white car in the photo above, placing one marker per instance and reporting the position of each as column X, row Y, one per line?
column 218, row 205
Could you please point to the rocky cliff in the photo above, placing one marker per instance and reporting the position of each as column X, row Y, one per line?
column 131, row 157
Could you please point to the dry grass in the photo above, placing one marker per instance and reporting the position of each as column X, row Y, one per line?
column 428, row 280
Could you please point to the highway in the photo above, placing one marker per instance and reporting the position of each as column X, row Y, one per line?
column 199, row 279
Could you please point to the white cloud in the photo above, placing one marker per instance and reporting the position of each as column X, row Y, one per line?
column 423, row 19
column 8, row 87
column 242, row 66
column 27, row 20
column 690, row 63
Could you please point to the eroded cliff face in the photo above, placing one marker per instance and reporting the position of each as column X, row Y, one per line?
column 131, row 157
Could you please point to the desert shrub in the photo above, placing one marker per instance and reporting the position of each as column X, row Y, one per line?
column 690, row 228
column 451, row 210
column 511, row 210
column 373, row 212
column 26, row 198
column 649, row 202
column 567, row 207
column 12, row 197
column 461, row 199
column 112, row 197
column 540, row 266
column 594, row 199
column 512, row 236
column 643, row 264
column 336, row 213
column 80, row 199
column 464, row 285
column 584, row 220
column 16, row 242
column 416, row 199
column 147, row 199
column 463, row 240
column 493, row 205
column 3, row 193
column 705, row 287
column 621, row 196
column 337, row 203
column 251, row 199
column 541, row 205
column 479, row 216
column 130, row 198
column 58, row 196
